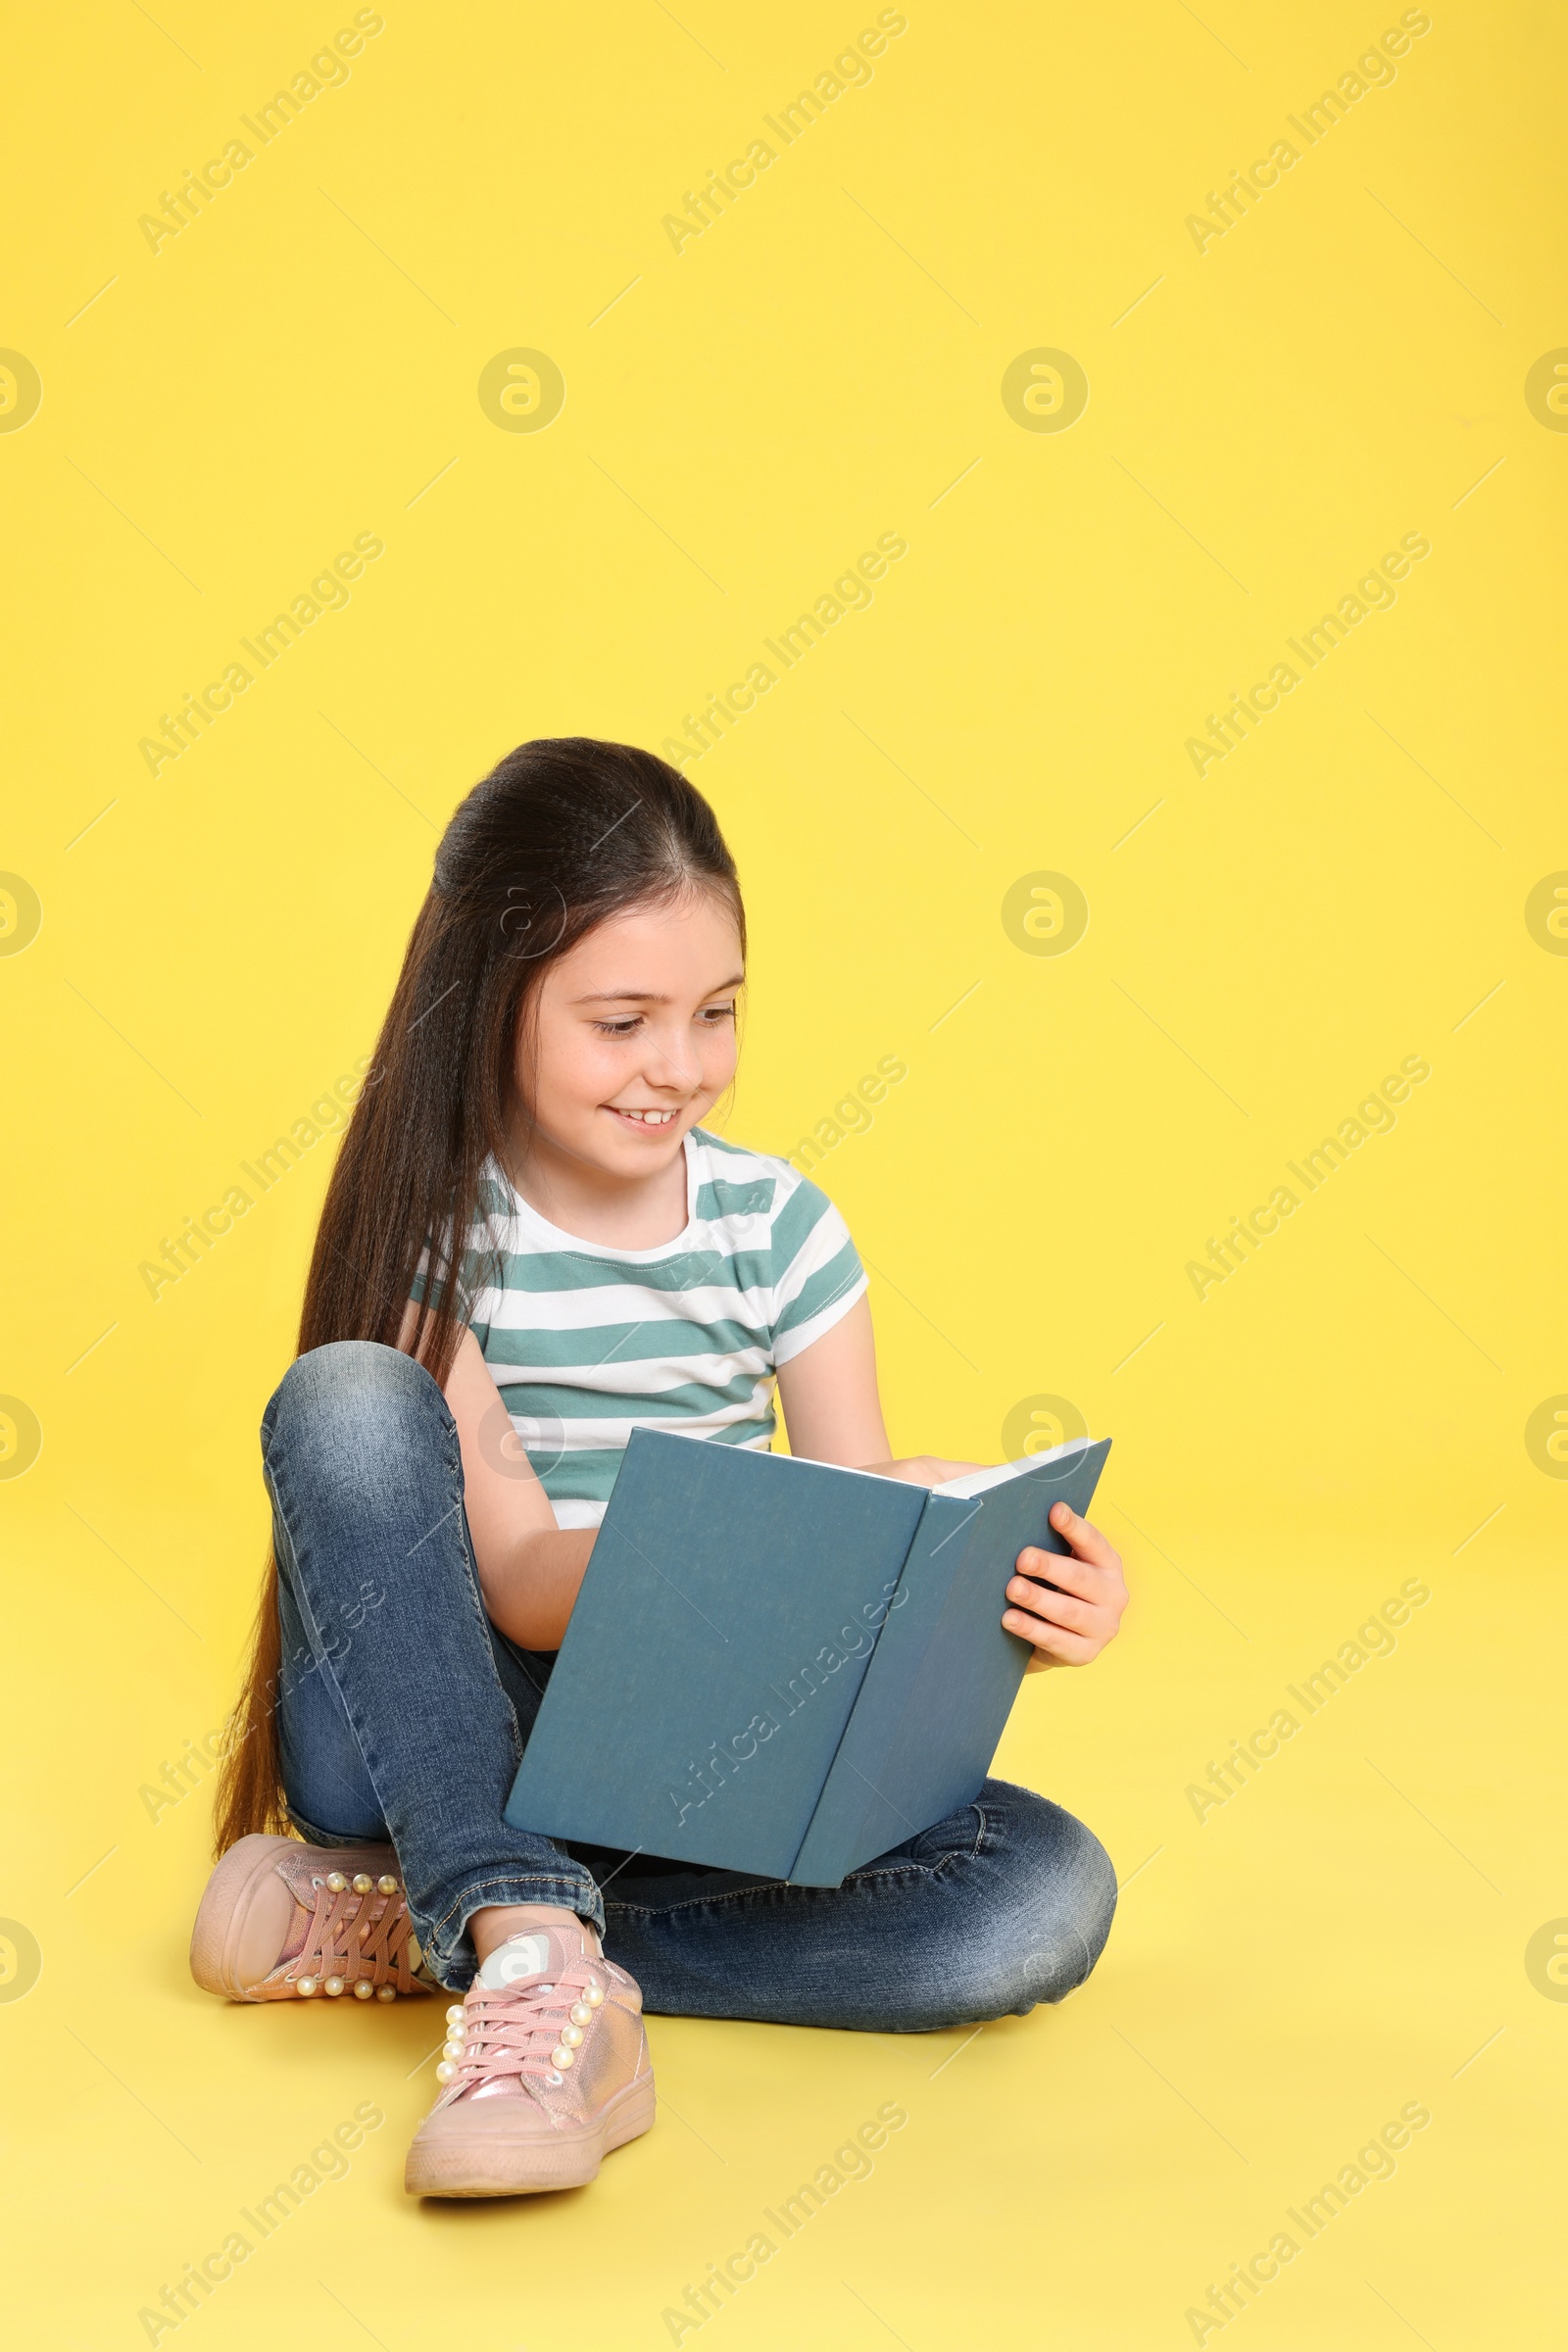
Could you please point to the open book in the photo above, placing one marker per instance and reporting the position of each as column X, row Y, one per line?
column 781, row 1667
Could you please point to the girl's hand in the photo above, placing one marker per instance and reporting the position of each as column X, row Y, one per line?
column 1072, row 1623
column 923, row 1469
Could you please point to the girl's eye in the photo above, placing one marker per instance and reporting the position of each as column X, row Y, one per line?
column 628, row 1024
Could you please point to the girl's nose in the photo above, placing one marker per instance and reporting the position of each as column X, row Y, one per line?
column 673, row 1062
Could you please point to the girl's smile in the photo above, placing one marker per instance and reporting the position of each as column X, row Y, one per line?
column 645, row 1119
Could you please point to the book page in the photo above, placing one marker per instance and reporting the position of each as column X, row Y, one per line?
column 974, row 1481
column 807, row 1461
column 979, row 1482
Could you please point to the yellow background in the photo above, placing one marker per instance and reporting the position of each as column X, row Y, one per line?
column 824, row 364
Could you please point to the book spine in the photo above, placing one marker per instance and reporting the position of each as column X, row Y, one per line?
column 851, row 1797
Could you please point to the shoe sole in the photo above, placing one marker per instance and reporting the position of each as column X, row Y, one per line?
column 221, row 1915
column 525, row 2166
column 220, row 1918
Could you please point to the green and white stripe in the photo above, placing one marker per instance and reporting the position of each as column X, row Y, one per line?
column 587, row 1343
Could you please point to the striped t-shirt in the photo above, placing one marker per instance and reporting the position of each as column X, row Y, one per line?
column 586, row 1343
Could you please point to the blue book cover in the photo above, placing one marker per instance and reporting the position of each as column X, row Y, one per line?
column 782, row 1667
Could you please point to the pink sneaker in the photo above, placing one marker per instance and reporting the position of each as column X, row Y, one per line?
column 546, row 2070
column 281, row 1920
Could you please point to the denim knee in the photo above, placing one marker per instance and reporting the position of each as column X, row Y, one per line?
column 346, row 1396
column 1035, row 1895
column 345, row 1376
column 1066, row 1900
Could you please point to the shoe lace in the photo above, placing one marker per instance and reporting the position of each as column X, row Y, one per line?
column 518, row 2028
column 355, row 1937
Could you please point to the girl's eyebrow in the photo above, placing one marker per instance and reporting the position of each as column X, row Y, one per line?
column 649, row 996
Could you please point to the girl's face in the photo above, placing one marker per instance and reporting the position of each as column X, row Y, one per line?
column 632, row 1036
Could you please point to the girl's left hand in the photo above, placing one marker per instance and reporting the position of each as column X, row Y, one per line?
column 1072, row 1623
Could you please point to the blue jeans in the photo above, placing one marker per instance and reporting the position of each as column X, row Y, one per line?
column 402, row 1713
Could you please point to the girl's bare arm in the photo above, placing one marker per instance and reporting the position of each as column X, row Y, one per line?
column 833, row 1411
column 529, row 1568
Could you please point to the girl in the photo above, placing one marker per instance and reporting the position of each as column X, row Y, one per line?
column 439, row 1456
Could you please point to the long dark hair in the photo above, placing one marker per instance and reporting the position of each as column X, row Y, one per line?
column 561, row 835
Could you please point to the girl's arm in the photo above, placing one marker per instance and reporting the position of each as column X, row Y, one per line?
column 832, row 1409
column 1067, row 1608
column 529, row 1568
